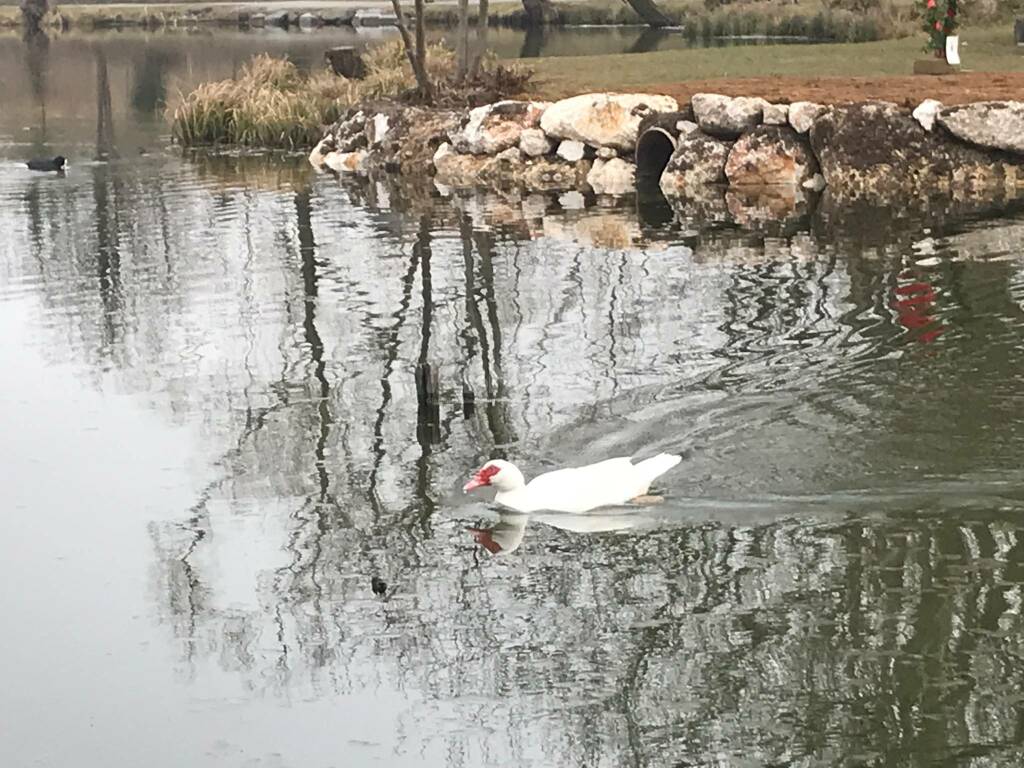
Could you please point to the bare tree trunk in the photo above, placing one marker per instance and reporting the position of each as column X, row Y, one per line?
column 649, row 11
column 481, row 40
column 421, row 40
column 533, row 42
column 417, row 57
column 104, row 111
column 462, row 43
column 37, row 59
column 32, row 13
column 538, row 12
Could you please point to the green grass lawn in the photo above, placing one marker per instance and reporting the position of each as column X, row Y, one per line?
column 988, row 49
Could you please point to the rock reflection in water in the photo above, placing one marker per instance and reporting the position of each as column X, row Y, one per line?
column 834, row 578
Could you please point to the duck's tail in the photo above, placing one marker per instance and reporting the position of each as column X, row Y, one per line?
column 656, row 466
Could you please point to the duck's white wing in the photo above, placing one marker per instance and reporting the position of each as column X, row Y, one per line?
column 578, row 489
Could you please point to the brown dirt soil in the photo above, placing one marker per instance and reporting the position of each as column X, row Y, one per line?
column 909, row 91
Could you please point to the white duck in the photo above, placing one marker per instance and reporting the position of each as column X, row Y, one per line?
column 577, row 489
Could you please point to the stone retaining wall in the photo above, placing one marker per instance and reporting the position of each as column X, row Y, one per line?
column 596, row 144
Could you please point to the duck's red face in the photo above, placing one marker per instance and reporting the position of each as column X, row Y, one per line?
column 484, row 476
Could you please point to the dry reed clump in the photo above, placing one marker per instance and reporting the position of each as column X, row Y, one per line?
column 270, row 104
column 273, row 104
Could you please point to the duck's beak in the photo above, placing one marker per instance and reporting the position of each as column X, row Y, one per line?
column 473, row 484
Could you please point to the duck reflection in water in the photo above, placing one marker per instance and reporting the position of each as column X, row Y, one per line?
column 507, row 535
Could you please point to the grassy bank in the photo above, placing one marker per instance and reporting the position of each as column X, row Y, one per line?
column 987, row 49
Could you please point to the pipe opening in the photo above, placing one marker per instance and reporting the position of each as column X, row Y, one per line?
column 653, row 151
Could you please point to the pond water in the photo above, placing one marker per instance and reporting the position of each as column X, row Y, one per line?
column 212, row 443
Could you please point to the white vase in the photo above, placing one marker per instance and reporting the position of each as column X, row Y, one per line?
column 953, row 50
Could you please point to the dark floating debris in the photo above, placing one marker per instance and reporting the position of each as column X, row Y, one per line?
column 379, row 586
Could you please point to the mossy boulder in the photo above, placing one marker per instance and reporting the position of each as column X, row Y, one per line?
column 877, row 149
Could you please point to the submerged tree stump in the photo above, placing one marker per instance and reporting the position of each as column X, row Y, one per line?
column 345, row 61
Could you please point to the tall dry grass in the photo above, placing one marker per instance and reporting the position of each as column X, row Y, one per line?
column 274, row 104
column 270, row 104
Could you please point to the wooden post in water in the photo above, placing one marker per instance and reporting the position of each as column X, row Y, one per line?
column 468, row 401
column 428, row 401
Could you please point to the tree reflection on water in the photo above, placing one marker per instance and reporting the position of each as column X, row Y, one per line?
column 835, row 577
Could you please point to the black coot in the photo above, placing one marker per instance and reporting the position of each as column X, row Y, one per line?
column 53, row 164
column 379, row 586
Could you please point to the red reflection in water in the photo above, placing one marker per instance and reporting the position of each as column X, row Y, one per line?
column 914, row 304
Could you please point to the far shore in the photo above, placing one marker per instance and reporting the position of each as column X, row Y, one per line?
column 843, row 72
column 695, row 18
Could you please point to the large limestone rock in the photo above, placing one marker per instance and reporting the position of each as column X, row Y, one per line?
column 877, row 150
column 377, row 129
column 603, row 119
column 770, row 155
column 802, row 115
column 320, row 152
column 995, row 124
column 493, row 128
column 571, row 151
column 776, row 114
column 727, row 117
column 455, row 169
column 612, row 177
column 349, row 133
column 510, row 155
column 533, row 142
column 698, row 160
column 545, row 174
column 412, row 136
column 926, row 113
column 346, row 162
column 668, row 122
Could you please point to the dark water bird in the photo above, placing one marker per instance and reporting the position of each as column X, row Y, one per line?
column 379, row 586
column 57, row 163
